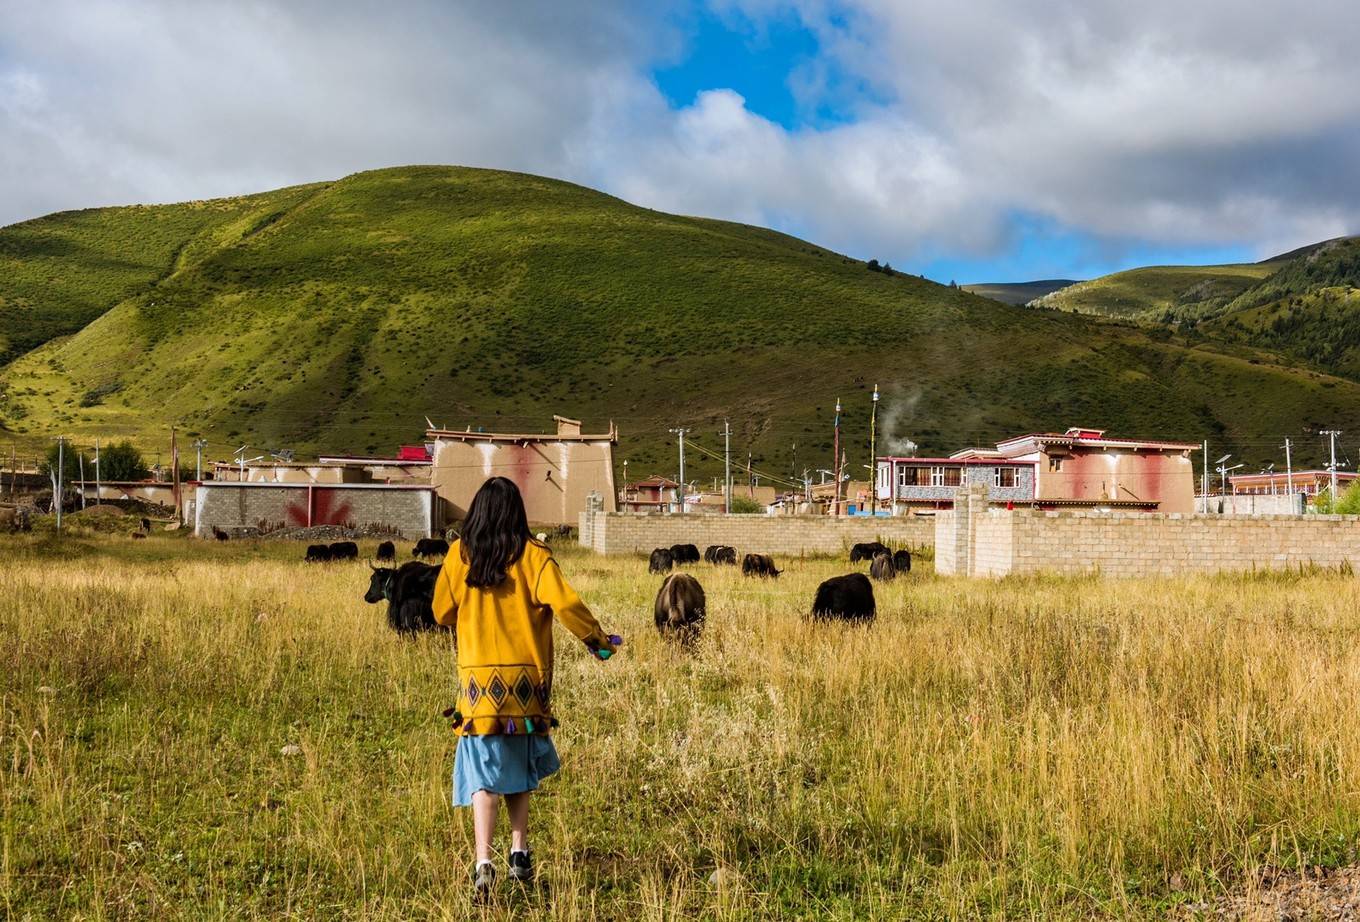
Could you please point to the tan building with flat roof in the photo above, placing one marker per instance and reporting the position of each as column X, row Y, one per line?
column 555, row 472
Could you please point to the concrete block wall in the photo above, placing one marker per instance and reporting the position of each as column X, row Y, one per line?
column 1129, row 544
column 786, row 535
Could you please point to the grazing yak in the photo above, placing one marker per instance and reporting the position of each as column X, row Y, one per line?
column 219, row 534
column 387, row 552
column 685, row 553
column 882, row 569
column 868, row 551
column 15, row 518
column 679, row 609
column 409, row 592
column 661, row 561
column 845, row 598
column 146, row 524
column 318, row 553
column 902, row 561
column 344, row 550
column 430, row 547
column 718, row 554
column 759, row 565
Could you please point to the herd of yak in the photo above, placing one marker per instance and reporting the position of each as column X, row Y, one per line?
column 680, row 606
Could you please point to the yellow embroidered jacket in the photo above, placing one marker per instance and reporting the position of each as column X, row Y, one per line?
column 505, row 641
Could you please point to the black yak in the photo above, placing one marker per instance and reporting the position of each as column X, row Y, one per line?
column 868, row 551
column 387, row 552
column 845, row 598
column 685, row 553
column 680, row 607
column 344, row 550
column 318, row 553
column 759, row 565
column 409, row 591
column 882, row 569
column 721, row 554
column 661, row 561
column 430, row 547
column 219, row 534
column 146, row 524
column 902, row 561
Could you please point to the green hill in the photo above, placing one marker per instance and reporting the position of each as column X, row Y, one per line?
column 338, row 316
column 1309, row 309
column 1158, row 293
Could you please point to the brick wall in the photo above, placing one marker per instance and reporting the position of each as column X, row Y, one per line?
column 785, row 535
column 1139, row 544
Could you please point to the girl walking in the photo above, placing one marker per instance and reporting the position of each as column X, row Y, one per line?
column 501, row 589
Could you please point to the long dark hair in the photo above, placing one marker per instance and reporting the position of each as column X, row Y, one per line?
column 494, row 534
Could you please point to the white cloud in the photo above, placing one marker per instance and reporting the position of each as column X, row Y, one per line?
column 1208, row 122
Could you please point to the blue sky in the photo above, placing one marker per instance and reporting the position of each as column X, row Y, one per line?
column 988, row 141
column 762, row 60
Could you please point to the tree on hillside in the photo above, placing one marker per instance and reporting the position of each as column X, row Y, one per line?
column 873, row 266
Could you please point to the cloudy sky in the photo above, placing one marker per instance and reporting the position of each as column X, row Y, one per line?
column 982, row 140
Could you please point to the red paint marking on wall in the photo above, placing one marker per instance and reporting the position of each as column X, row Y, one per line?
column 328, row 508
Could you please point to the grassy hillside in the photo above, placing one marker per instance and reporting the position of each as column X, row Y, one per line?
column 340, row 317
column 1158, row 293
column 60, row 272
column 1309, row 309
column 1018, row 292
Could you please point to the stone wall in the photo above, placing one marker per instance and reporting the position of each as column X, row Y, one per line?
column 788, row 535
column 997, row 542
column 233, row 506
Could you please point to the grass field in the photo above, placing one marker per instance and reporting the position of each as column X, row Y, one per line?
column 1045, row 748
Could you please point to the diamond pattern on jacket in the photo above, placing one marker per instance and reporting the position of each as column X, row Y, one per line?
column 497, row 689
column 543, row 694
column 524, row 690
column 474, row 692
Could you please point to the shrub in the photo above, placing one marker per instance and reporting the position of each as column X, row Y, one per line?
column 95, row 395
column 745, row 504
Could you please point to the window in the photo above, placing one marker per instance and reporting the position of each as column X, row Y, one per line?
column 946, row 476
column 1006, row 477
column 914, row 476
column 1055, row 464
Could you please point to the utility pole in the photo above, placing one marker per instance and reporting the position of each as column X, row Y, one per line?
column 174, row 463
column 98, row 488
column 836, row 462
column 82, row 479
column 61, row 463
column 727, row 467
column 681, row 432
column 199, row 445
column 1331, row 466
column 873, row 455
column 1288, row 468
column 1204, row 483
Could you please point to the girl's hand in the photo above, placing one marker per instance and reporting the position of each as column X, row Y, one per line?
column 606, row 649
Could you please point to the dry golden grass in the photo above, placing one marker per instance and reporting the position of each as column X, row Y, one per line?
column 1037, row 748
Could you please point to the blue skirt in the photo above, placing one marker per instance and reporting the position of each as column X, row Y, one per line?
column 501, row 764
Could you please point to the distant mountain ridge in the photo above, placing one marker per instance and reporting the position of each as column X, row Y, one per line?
column 337, row 316
column 1018, row 292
